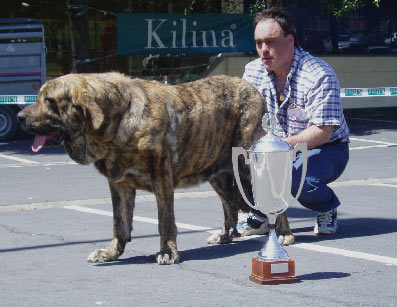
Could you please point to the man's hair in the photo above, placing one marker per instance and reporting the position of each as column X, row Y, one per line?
column 282, row 17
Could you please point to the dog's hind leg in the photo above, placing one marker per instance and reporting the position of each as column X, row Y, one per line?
column 123, row 199
column 223, row 185
column 284, row 233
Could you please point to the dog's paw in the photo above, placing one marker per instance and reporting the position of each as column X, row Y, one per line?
column 167, row 258
column 219, row 238
column 214, row 238
column 286, row 239
column 100, row 256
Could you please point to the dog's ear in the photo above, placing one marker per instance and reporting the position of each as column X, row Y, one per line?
column 90, row 109
column 96, row 114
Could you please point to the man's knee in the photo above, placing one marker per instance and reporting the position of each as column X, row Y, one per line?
column 310, row 183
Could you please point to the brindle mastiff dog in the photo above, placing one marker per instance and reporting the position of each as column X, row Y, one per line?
column 151, row 136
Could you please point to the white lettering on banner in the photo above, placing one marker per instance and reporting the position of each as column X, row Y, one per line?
column 154, row 41
column 183, row 33
column 152, row 33
column 229, row 37
column 194, row 36
column 204, row 33
column 173, row 36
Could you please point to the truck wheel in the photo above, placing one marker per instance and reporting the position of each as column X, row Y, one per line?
column 8, row 123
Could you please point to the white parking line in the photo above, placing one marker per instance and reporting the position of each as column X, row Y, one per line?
column 347, row 253
column 18, row 159
column 363, row 182
column 385, row 185
column 37, row 164
column 382, row 144
column 374, row 120
column 372, row 141
column 368, row 147
column 307, row 246
column 389, row 182
column 140, row 219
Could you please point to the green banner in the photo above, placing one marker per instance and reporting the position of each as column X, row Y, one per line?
column 352, row 92
column 376, row 91
column 179, row 33
column 8, row 99
column 369, row 92
column 18, row 99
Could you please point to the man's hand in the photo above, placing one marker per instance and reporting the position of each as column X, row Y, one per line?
column 314, row 136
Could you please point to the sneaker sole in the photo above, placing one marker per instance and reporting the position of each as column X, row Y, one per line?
column 319, row 233
column 260, row 231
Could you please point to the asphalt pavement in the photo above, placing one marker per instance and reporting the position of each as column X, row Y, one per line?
column 53, row 213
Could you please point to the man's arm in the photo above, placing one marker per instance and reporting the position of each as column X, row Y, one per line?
column 314, row 136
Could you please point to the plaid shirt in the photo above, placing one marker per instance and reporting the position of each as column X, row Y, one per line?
column 312, row 96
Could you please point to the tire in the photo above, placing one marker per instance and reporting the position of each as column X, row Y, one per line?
column 8, row 123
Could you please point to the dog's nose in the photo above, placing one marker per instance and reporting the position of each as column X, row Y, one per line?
column 21, row 116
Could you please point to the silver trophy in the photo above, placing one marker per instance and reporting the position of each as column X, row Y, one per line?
column 271, row 161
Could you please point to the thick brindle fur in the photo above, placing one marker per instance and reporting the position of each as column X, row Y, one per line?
column 154, row 137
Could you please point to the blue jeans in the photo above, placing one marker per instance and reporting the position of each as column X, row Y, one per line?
column 325, row 164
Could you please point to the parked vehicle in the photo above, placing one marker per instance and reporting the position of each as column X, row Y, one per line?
column 392, row 39
column 22, row 69
column 346, row 43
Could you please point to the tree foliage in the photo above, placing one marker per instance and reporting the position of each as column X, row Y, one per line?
column 343, row 8
column 339, row 8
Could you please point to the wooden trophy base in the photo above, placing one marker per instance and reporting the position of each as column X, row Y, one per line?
column 273, row 272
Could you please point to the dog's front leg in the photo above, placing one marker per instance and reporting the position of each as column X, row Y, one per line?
column 164, row 191
column 123, row 199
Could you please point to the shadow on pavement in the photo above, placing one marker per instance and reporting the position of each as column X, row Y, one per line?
column 19, row 249
column 201, row 253
column 369, row 120
column 349, row 228
column 323, row 275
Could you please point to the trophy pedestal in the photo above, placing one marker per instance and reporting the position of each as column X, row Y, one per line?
column 273, row 272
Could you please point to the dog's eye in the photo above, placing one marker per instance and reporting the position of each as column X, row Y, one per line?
column 50, row 100
column 78, row 109
column 52, row 104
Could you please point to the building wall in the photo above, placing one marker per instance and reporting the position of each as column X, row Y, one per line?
column 352, row 71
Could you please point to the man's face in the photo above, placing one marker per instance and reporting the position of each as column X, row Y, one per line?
column 274, row 47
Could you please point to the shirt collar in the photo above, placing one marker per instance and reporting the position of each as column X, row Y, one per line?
column 298, row 54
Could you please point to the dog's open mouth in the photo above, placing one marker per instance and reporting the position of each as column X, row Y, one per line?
column 53, row 139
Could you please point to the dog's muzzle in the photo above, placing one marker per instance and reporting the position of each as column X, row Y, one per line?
column 53, row 138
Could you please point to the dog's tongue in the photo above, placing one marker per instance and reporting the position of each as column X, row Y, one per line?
column 39, row 141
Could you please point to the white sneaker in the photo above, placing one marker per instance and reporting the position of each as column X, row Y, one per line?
column 326, row 223
column 251, row 224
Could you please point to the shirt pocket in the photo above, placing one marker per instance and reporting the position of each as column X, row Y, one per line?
column 296, row 118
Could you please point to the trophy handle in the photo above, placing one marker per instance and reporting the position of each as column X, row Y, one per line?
column 236, row 151
column 302, row 147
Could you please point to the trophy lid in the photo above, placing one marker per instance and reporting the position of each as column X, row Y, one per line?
column 269, row 143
